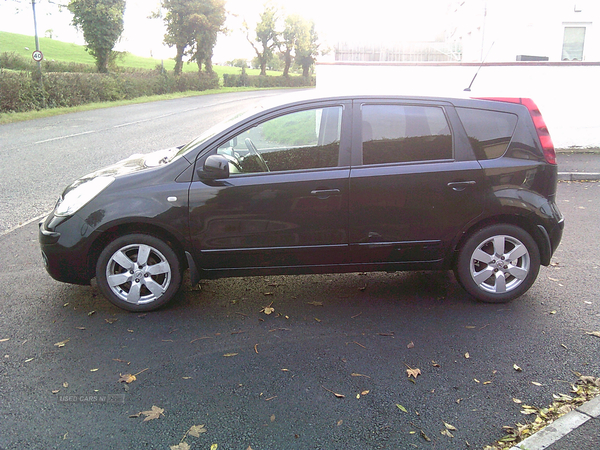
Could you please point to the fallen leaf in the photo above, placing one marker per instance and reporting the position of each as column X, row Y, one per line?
column 65, row 384
column 91, row 312
column 536, row 383
column 28, row 360
column 62, row 343
column 334, row 393
column 364, row 392
column 467, row 355
column 517, row 368
column 470, row 327
column 196, row 430
column 552, row 312
column 214, row 447
column 127, row 378
column 593, row 333
column 227, row 355
column 4, row 340
column 268, row 310
column 476, row 380
column 56, row 391
column 339, row 422
column 411, row 344
column 181, row 446
column 487, row 382
column 267, row 293
column 359, row 375
column 256, row 348
column 413, row 372
column 154, row 413
column 424, row 436
column 93, row 370
column 447, row 433
column 434, row 364
column 450, row 427
column 318, row 320
column 517, row 401
column 272, row 418
column 315, row 303
column 401, row 408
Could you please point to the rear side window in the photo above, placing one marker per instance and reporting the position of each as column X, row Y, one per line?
column 490, row 132
column 404, row 133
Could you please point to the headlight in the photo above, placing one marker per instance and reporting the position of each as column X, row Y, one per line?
column 80, row 195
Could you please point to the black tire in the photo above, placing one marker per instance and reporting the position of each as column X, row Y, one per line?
column 136, row 285
column 498, row 263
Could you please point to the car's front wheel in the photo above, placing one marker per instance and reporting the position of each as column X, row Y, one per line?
column 138, row 272
column 498, row 263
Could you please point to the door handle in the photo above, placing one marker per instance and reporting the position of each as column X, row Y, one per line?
column 324, row 193
column 460, row 185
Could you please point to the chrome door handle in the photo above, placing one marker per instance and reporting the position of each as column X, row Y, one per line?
column 325, row 193
column 460, row 185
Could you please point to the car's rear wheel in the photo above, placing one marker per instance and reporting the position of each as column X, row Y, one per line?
column 138, row 272
column 498, row 263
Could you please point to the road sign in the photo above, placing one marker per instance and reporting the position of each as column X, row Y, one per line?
column 37, row 56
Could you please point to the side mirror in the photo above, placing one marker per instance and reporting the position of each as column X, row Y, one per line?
column 215, row 167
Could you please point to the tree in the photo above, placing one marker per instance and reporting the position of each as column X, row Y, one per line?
column 266, row 36
column 207, row 23
column 192, row 28
column 294, row 25
column 307, row 48
column 102, row 24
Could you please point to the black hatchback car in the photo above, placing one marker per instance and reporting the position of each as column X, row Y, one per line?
column 330, row 184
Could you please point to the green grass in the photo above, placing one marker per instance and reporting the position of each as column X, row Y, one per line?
column 68, row 52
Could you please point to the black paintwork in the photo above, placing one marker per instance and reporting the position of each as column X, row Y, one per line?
column 349, row 218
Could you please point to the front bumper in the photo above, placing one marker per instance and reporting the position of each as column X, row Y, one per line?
column 65, row 258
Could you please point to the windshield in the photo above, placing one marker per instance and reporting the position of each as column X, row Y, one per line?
column 216, row 129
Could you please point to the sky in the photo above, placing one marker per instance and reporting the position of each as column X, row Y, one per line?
column 371, row 21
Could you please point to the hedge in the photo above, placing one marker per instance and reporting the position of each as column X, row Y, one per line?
column 21, row 91
column 262, row 81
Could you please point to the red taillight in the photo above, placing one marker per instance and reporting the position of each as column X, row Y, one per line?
column 538, row 121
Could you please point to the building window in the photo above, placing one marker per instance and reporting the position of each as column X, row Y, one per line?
column 573, row 41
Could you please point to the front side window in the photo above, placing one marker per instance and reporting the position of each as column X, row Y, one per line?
column 301, row 140
column 573, row 41
column 404, row 133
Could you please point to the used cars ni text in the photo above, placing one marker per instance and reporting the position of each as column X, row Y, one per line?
column 321, row 185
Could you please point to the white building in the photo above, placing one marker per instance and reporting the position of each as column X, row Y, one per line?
column 525, row 30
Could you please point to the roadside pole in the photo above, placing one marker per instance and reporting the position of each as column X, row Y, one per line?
column 37, row 55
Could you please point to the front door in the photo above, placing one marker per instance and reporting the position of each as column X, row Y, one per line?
column 285, row 203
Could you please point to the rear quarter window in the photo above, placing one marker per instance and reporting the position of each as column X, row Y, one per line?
column 489, row 132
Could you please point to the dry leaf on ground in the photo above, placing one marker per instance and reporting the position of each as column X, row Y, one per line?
column 154, row 413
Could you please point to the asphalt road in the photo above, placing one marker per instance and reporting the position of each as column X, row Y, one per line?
column 214, row 358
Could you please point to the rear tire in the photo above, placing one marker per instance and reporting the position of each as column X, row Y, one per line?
column 498, row 263
column 138, row 272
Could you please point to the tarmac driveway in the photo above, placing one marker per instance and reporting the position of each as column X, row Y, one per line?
column 328, row 368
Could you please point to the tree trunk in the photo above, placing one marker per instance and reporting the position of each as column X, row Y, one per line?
column 179, row 59
column 288, row 63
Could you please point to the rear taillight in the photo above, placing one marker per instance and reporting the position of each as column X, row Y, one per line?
column 538, row 121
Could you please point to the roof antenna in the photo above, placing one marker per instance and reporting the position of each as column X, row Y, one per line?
column 468, row 89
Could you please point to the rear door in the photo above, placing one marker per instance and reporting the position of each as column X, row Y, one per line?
column 414, row 182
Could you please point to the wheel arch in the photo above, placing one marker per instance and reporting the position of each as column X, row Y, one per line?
column 536, row 231
column 116, row 231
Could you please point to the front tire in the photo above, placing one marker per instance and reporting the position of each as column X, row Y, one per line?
column 498, row 263
column 138, row 272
